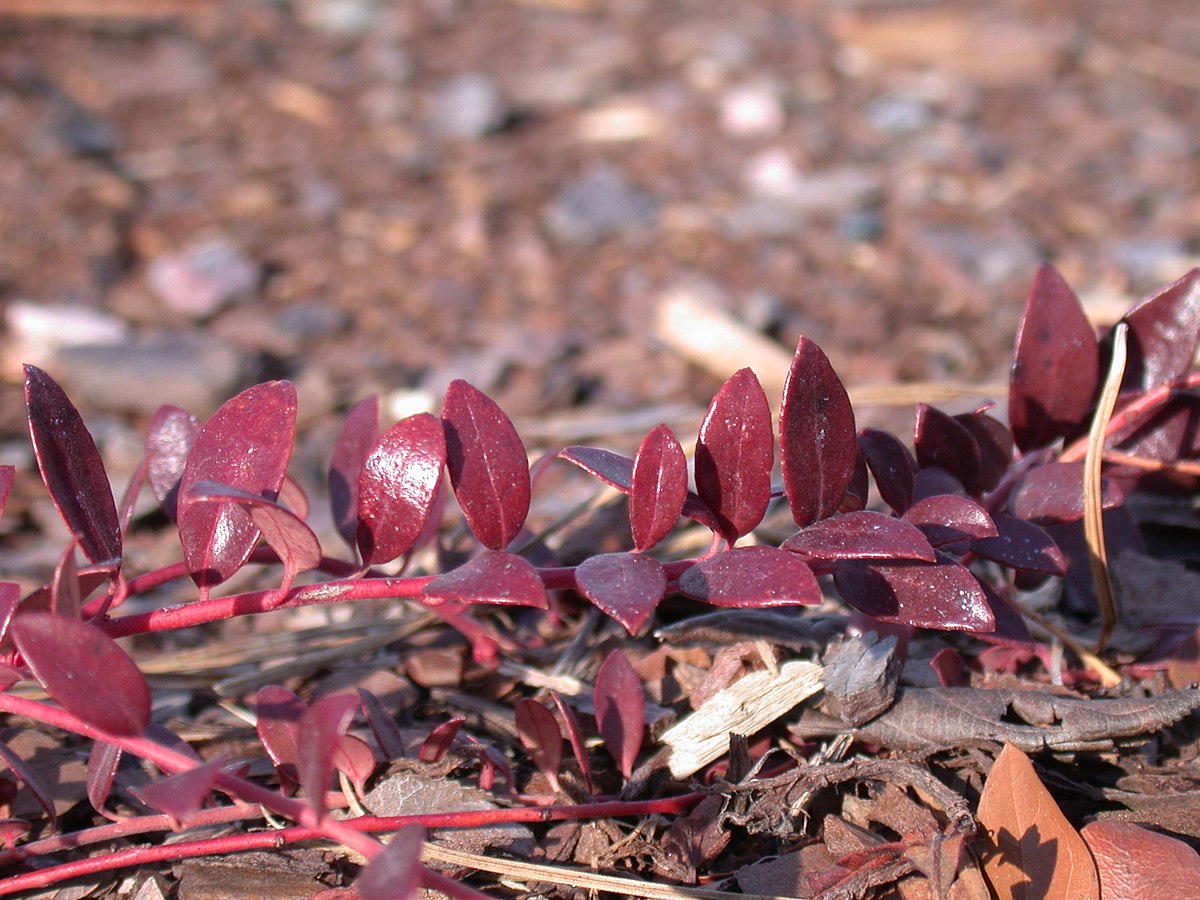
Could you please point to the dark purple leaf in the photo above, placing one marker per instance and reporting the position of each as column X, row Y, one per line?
column 279, row 712
column 101, row 771
column 182, row 795
column 359, row 433
column 85, row 671
column 858, row 488
column 892, row 465
column 734, row 455
column 995, row 444
column 1010, row 630
column 943, row 595
column 169, row 440
column 66, row 594
column 382, row 725
column 395, row 872
column 541, row 737
column 1164, row 334
column 817, row 444
column 7, row 475
column 859, row 535
column 27, row 777
column 1056, row 364
column 950, row 519
column 1054, row 493
column 245, row 445
column 1021, row 545
column 397, row 486
column 355, row 759
column 438, row 744
column 658, row 489
column 71, row 467
column 620, row 710
column 752, row 577
column 321, row 729
column 491, row 577
column 613, row 469
column 626, row 586
column 944, row 443
column 935, row 482
column 575, row 736
column 488, row 466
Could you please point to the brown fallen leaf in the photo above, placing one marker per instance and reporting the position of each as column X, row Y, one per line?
column 1134, row 862
column 1028, row 848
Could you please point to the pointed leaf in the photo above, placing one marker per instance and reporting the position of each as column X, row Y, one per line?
column 1053, row 493
column 395, row 872
column 817, row 444
column 1010, row 630
column 892, row 465
column 66, row 594
column 85, row 671
column 1028, row 848
column 101, row 771
column 355, row 759
column 658, row 489
column 575, row 736
column 1134, row 862
column 278, row 712
column 29, row 778
column 943, row 443
column 944, row 595
column 358, row 435
column 948, row 519
column 859, row 535
column 71, row 467
column 626, row 586
column 7, row 475
column 1164, row 334
column 1023, row 546
column 734, row 455
column 620, row 710
column 245, row 445
column 438, row 744
column 397, row 485
column 995, row 444
column 613, row 469
column 752, row 577
column 1056, row 364
column 488, row 466
column 181, row 796
column 491, row 577
column 383, row 726
column 169, row 440
column 322, row 727
column 541, row 737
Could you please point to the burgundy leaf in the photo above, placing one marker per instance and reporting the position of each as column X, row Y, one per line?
column 358, row 435
column 245, row 445
column 279, row 712
column 817, row 444
column 1056, row 364
column 1010, row 630
column 438, row 744
column 613, row 469
column 1053, row 493
column 658, row 489
column 734, row 454
column 66, row 594
column 858, row 488
column 322, row 727
column 488, row 466
column 575, row 736
column 397, row 485
column 395, row 872
column 942, row 442
column 382, row 725
column 182, row 795
column 355, row 759
column 892, row 465
column 9, row 676
column 1164, row 334
column 752, row 577
column 491, row 577
column 102, row 764
column 10, row 599
column 169, row 440
column 626, row 586
column 949, row 519
column 934, row 482
column 540, row 735
column 71, row 467
column 7, row 475
column 27, row 777
column 1023, row 546
column 859, row 535
column 995, row 444
column 620, row 710
column 84, row 670
column 292, row 498
column 944, row 595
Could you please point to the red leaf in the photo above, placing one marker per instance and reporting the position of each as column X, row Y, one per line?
column 950, row 668
column 322, row 727
column 245, row 445
column 10, row 599
column 279, row 712
column 734, row 455
column 944, row 595
column 1056, row 364
column 1135, row 862
column 491, row 577
column 71, row 467
column 575, row 736
column 943, row 443
column 395, row 872
column 620, row 710
column 1021, row 545
column 752, row 577
column 169, row 440
column 355, row 759
column 102, row 764
column 626, row 586
column 541, row 737
column 434, row 747
column 859, row 535
column 397, row 485
column 949, row 519
column 658, row 488
column 84, row 670
column 66, row 594
column 358, row 435
column 1053, row 493
column 292, row 498
column 488, row 466
column 613, row 469
column 817, row 444
column 182, row 795
column 892, row 465
column 27, row 777
column 1164, row 334
column 7, row 476
column 382, row 725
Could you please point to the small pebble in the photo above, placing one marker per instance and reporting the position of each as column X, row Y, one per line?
column 201, row 279
column 468, row 106
column 599, row 204
column 751, row 110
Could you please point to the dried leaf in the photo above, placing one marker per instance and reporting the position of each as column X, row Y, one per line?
column 1021, row 545
column 541, row 738
column 658, row 488
column 859, row 535
column 491, row 577
column 182, row 795
column 753, row 577
column 1135, row 862
column 620, row 710
column 943, row 443
column 359, row 433
column 626, row 586
column 169, row 440
column 891, row 464
column 949, row 519
column 395, row 872
column 943, row 595
column 322, row 726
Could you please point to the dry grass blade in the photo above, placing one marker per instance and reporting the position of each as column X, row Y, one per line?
column 1093, row 523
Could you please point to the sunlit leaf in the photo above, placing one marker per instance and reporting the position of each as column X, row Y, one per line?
column 169, row 440
column 943, row 595
column 181, row 796
column 1053, row 493
column 541, row 737
column 320, row 732
column 440, row 740
column 1164, row 334
column 355, row 759
column 278, row 713
column 859, row 535
column 491, row 577
column 1135, row 863
column 626, row 586
column 658, row 488
column 752, row 577
column 620, row 710
column 947, row 519
column 102, row 764
column 66, row 593
column 359, row 432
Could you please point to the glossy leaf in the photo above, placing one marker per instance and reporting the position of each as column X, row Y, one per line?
column 541, row 737
column 947, row 519
column 575, row 737
column 278, row 713
column 1056, row 364
column 383, row 726
column 1134, row 862
column 859, row 535
column 626, row 586
column 734, row 455
column 102, row 764
column 620, row 710
column 491, row 577
column 995, row 444
column 438, row 744
column 360, row 430
column 10, row 599
column 245, row 445
column 752, row 577
column 612, row 468
column 488, row 466
column 169, row 440
column 7, row 475
column 943, row 595
column 321, row 729
column 817, row 443
column 71, row 467
column 658, row 488
column 29, row 778
column 1164, row 334
column 1053, row 493
column 397, row 485
column 891, row 464
column 395, row 872
column 943, row 443
column 182, row 795
column 1023, row 546
column 355, row 759
column 85, row 671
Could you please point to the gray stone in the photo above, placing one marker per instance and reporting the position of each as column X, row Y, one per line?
column 201, row 279
column 894, row 114
column 599, row 204
column 468, row 106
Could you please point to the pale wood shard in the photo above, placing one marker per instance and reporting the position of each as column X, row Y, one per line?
column 744, row 707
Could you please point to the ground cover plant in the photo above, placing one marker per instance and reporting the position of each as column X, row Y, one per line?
column 988, row 618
